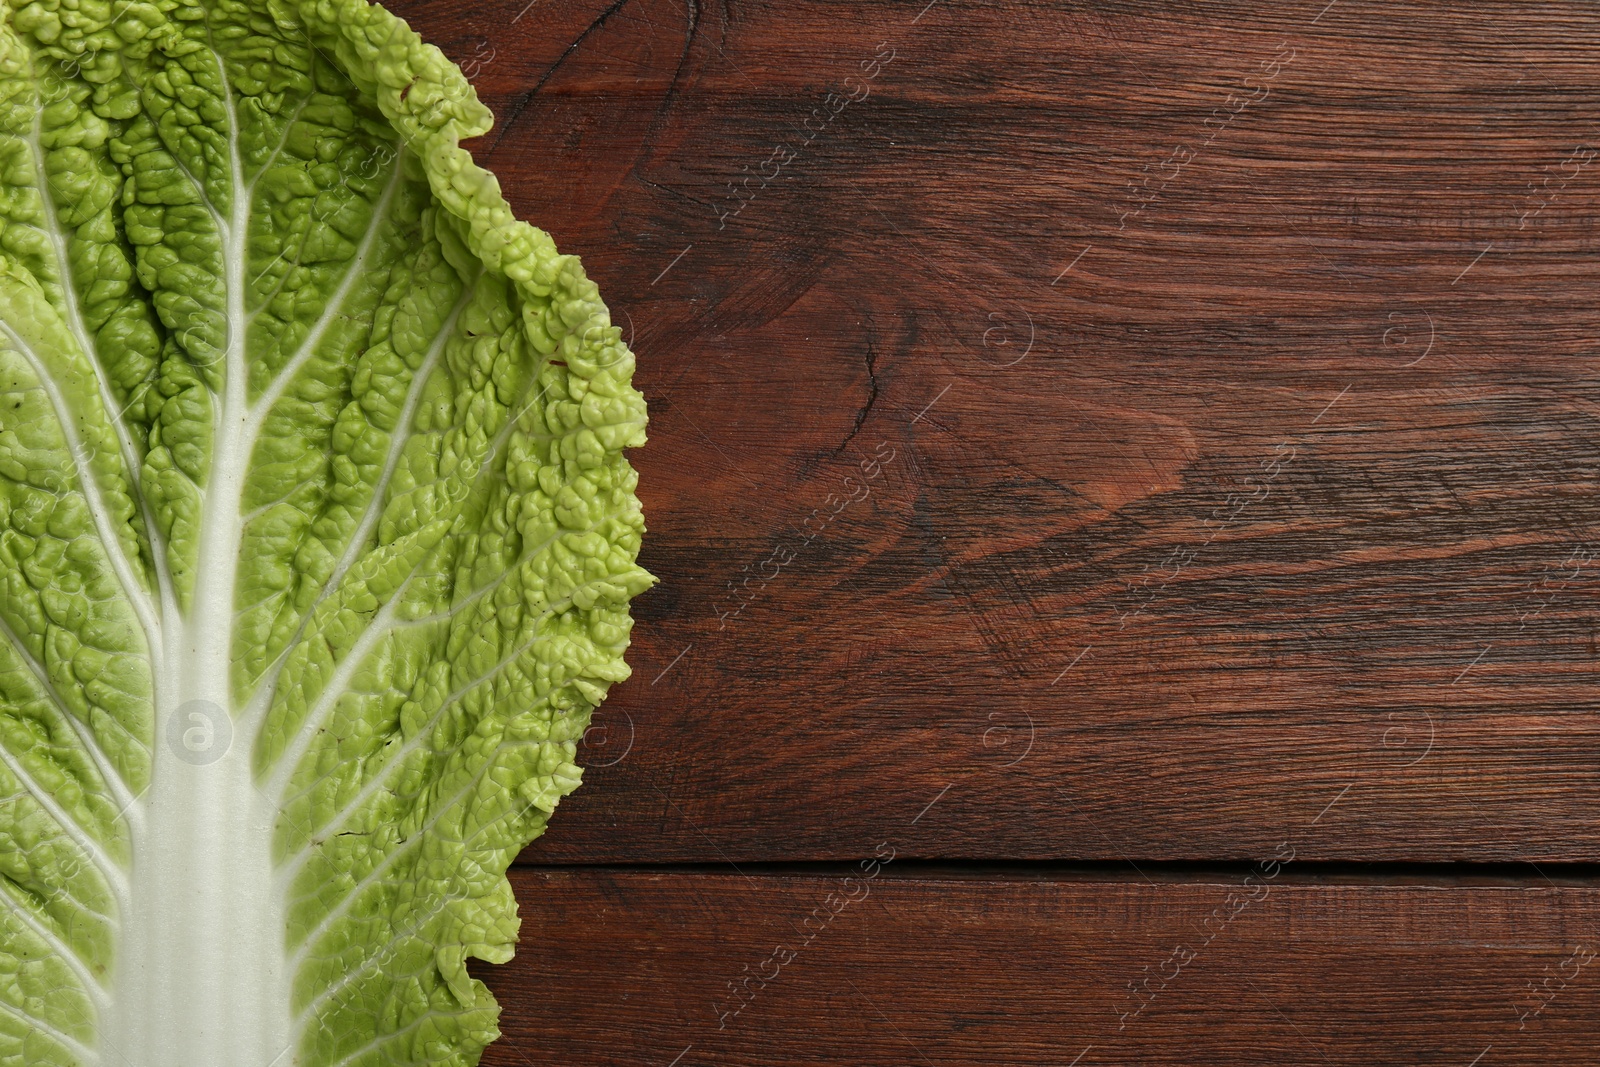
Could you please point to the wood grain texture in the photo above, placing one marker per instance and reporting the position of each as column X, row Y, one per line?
column 1133, row 424
column 947, row 971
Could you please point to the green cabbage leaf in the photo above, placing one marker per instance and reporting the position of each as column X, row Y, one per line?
column 317, row 538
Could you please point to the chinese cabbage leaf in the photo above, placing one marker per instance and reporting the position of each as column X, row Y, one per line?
column 316, row 538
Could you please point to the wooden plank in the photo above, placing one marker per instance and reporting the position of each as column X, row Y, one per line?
column 1215, row 461
column 634, row 967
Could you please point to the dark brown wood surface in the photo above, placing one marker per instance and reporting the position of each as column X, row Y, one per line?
column 627, row 967
column 1271, row 597
column 1130, row 434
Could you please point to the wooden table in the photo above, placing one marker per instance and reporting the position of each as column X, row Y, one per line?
column 1125, row 483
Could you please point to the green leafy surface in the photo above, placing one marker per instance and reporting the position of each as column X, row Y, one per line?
column 299, row 422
